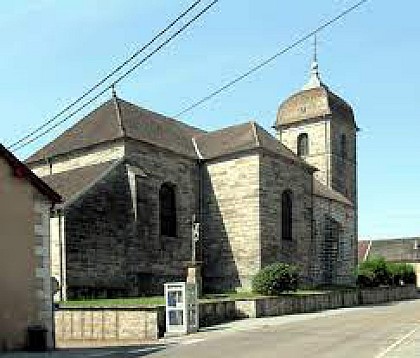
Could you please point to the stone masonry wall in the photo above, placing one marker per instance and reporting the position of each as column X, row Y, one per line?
column 231, row 226
column 344, row 170
column 347, row 241
column 95, row 155
column 276, row 176
column 113, row 245
column 42, row 280
column 58, row 254
column 318, row 143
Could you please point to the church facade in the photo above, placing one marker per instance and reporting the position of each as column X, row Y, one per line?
column 132, row 180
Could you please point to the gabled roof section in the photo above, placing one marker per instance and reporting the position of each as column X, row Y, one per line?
column 324, row 191
column 21, row 170
column 117, row 119
column 396, row 250
column 70, row 184
column 242, row 137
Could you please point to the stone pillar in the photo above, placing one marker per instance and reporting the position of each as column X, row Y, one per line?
column 194, row 276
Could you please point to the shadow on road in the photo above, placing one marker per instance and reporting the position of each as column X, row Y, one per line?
column 96, row 352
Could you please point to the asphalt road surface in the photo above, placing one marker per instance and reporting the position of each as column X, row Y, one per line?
column 391, row 330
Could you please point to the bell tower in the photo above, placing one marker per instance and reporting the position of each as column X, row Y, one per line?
column 319, row 126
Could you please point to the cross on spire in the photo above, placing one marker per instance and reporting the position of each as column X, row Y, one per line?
column 314, row 79
column 114, row 92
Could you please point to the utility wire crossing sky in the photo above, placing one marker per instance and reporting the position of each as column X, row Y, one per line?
column 56, row 50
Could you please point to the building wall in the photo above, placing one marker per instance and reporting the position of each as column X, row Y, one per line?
column 24, row 277
column 113, row 244
column 318, row 143
column 324, row 151
column 417, row 271
column 58, row 254
column 43, row 293
column 83, row 158
column 344, row 170
column 344, row 264
column 231, row 225
column 276, row 176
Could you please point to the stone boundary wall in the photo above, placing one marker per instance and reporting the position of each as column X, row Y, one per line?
column 139, row 324
column 108, row 324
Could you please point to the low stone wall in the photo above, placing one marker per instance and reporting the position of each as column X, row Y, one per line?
column 386, row 294
column 137, row 324
column 108, row 324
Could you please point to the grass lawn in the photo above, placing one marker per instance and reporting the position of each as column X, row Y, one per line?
column 134, row 301
column 159, row 300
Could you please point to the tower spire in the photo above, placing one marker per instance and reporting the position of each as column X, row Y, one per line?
column 314, row 79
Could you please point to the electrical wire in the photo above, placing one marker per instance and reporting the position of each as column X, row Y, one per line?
column 107, row 77
column 272, row 58
column 119, row 78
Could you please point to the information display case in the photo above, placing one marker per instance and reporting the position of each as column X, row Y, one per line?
column 181, row 308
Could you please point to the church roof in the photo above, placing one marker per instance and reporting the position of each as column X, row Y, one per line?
column 242, row 137
column 71, row 183
column 117, row 119
column 328, row 193
column 395, row 250
column 313, row 101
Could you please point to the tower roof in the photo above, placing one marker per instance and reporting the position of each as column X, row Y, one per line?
column 313, row 101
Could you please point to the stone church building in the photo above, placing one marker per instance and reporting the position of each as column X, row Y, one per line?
column 132, row 180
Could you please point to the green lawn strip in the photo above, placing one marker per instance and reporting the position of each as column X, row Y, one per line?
column 159, row 300
column 135, row 301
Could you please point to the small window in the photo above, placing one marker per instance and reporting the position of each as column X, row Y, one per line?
column 302, row 144
column 167, row 208
column 286, row 215
column 343, row 146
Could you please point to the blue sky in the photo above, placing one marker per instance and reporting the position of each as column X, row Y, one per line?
column 54, row 50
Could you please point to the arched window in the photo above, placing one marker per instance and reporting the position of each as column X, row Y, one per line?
column 302, row 144
column 343, row 146
column 167, row 209
column 286, row 215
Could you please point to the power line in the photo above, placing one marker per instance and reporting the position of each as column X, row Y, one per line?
column 119, row 78
column 272, row 58
column 107, row 77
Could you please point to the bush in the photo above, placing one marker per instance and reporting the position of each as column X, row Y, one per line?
column 275, row 279
column 376, row 272
column 373, row 273
column 401, row 274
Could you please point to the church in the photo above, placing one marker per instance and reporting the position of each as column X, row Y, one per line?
column 133, row 181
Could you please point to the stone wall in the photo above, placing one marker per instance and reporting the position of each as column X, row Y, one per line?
column 114, row 325
column 276, row 176
column 112, row 232
column 108, row 324
column 42, row 207
column 98, row 154
column 231, row 225
column 342, row 266
column 58, row 254
column 344, row 170
column 318, row 144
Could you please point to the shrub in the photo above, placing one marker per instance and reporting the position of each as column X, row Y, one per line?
column 376, row 271
column 401, row 274
column 275, row 279
column 373, row 272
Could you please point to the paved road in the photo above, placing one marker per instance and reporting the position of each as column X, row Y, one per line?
column 387, row 331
